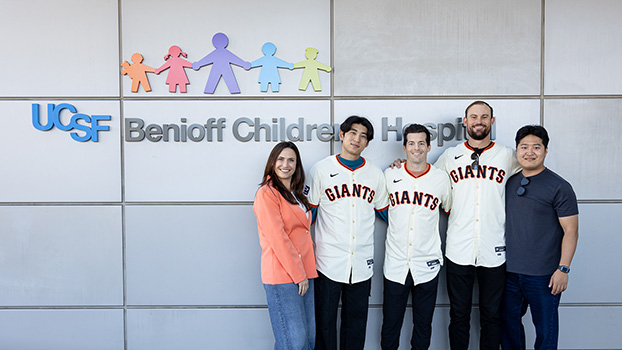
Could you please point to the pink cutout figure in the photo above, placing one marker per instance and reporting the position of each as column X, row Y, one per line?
column 137, row 72
column 177, row 74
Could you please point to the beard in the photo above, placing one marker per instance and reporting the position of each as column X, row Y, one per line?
column 478, row 136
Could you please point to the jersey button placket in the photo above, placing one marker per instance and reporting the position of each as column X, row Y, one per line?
column 411, row 233
column 413, row 190
column 352, row 227
column 478, row 224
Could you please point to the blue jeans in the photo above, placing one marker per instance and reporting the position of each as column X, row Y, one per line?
column 533, row 291
column 292, row 316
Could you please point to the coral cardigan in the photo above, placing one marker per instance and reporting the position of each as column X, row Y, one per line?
column 286, row 246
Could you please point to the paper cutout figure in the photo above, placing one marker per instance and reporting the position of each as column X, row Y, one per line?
column 137, row 72
column 269, row 68
column 310, row 73
column 221, row 60
column 177, row 74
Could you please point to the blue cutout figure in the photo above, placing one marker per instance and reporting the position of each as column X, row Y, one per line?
column 222, row 59
column 270, row 65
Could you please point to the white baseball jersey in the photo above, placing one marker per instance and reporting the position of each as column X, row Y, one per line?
column 413, row 241
column 344, row 232
column 476, row 228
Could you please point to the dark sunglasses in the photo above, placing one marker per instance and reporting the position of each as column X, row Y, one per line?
column 521, row 190
column 475, row 158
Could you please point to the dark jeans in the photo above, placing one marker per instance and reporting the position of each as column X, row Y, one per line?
column 394, row 306
column 354, row 304
column 460, row 281
column 533, row 291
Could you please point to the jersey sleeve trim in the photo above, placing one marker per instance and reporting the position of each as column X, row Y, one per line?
column 381, row 209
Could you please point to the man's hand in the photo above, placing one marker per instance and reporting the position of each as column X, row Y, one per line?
column 559, row 282
column 303, row 286
column 397, row 163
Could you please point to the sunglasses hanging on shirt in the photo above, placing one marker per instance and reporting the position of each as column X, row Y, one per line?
column 521, row 190
column 475, row 158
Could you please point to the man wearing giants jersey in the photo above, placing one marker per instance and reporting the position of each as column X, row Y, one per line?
column 413, row 255
column 345, row 191
column 475, row 247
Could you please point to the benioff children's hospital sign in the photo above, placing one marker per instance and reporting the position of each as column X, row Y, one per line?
column 84, row 127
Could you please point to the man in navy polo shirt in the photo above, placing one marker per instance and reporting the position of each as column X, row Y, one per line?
column 541, row 238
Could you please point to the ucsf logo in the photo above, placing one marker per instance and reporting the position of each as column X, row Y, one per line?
column 86, row 126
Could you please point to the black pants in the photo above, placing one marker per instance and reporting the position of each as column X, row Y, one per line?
column 354, row 304
column 394, row 307
column 460, row 281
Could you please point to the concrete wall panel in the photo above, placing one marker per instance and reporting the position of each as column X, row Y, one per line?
column 59, row 48
column 61, row 329
column 398, row 48
column 61, row 255
column 582, row 57
column 50, row 166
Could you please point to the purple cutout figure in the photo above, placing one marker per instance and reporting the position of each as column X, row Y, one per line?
column 222, row 59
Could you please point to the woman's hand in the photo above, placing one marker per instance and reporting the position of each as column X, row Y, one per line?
column 303, row 287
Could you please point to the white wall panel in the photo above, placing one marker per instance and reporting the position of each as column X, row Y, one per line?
column 50, row 166
column 60, row 256
column 199, row 329
column 212, row 171
column 193, row 255
column 209, row 328
column 584, row 146
column 583, row 327
column 599, row 236
column 583, row 47
column 291, row 25
column 61, row 329
column 59, row 48
column 437, row 47
column 509, row 115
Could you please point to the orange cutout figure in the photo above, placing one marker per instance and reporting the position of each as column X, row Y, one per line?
column 137, row 72
column 177, row 74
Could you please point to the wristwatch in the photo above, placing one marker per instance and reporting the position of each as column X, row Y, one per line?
column 564, row 268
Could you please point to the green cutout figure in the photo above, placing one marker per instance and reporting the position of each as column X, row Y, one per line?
column 310, row 73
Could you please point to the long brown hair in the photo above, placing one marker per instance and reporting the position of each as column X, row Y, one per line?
column 298, row 179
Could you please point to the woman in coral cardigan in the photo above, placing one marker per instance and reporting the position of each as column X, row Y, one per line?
column 287, row 258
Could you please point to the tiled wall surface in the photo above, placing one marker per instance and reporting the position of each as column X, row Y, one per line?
column 140, row 245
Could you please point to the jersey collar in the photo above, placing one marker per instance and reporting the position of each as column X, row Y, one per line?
column 466, row 144
column 345, row 166
column 413, row 175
